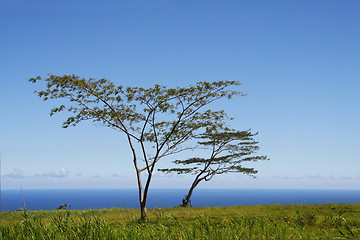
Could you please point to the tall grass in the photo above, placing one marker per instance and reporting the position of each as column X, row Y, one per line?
column 206, row 223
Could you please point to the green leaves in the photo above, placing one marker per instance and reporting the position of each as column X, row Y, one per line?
column 227, row 150
column 162, row 117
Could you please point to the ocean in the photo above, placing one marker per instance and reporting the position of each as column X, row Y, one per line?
column 12, row 200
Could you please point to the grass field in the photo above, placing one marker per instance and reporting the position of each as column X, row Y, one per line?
column 330, row 221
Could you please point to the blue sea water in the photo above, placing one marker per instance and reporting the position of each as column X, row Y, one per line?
column 12, row 200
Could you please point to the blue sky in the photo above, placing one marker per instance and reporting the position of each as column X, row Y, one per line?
column 298, row 61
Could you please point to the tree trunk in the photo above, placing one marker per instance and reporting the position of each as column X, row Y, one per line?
column 186, row 202
column 145, row 194
column 143, row 210
column 142, row 198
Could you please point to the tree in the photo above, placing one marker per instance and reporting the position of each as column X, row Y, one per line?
column 156, row 121
column 229, row 149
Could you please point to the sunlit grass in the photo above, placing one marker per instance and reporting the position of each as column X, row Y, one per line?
column 328, row 221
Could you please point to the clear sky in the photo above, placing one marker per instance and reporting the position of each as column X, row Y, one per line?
column 299, row 62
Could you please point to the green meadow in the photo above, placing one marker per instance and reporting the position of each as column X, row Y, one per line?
column 329, row 221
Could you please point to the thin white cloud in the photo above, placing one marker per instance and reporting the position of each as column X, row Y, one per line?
column 18, row 173
column 63, row 172
column 159, row 174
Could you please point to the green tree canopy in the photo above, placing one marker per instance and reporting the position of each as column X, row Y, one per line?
column 156, row 121
column 228, row 150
